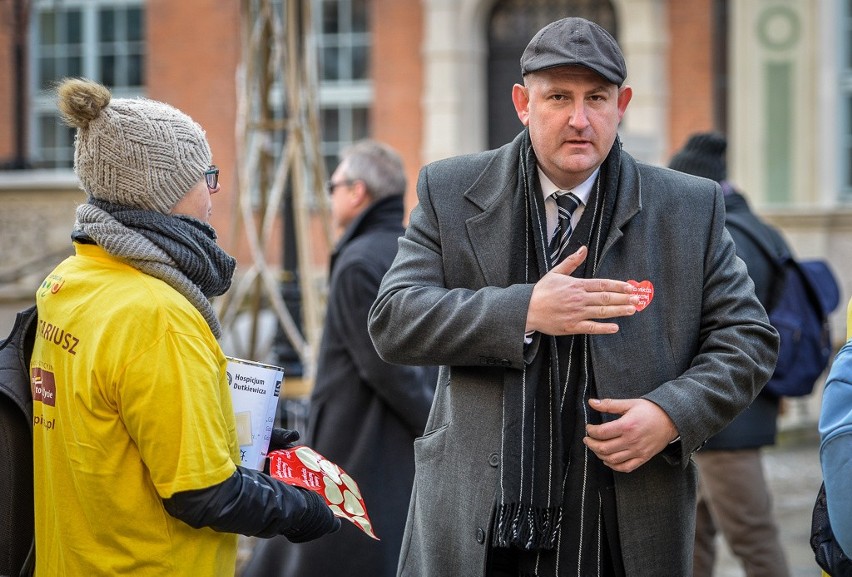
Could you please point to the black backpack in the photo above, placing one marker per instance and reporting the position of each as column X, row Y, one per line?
column 828, row 554
column 17, row 516
column 803, row 296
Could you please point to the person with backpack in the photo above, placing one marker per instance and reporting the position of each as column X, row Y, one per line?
column 733, row 496
column 134, row 436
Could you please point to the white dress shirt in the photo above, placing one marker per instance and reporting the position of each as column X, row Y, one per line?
column 583, row 191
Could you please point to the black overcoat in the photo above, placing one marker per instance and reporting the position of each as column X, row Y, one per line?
column 364, row 413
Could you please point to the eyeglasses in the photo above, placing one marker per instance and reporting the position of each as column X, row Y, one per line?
column 211, row 175
column 330, row 186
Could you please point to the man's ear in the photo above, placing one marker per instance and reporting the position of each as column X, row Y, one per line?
column 521, row 100
column 625, row 93
column 359, row 195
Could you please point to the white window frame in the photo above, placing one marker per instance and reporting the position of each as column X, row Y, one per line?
column 344, row 94
column 43, row 100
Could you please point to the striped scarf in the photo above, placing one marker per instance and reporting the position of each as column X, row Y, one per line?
column 544, row 406
column 177, row 249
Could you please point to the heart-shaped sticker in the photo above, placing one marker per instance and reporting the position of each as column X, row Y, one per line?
column 645, row 290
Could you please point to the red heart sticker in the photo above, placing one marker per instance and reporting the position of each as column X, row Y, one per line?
column 645, row 290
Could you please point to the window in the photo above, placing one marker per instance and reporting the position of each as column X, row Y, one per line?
column 101, row 40
column 342, row 39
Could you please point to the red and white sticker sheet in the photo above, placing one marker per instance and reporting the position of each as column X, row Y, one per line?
column 303, row 467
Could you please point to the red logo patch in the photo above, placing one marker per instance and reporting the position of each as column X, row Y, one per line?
column 645, row 290
column 44, row 386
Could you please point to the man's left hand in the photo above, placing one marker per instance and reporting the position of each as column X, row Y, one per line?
column 641, row 431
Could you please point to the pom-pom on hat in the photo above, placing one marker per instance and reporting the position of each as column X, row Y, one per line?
column 703, row 155
column 133, row 152
column 575, row 42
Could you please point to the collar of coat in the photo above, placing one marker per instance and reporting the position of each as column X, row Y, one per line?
column 497, row 180
column 384, row 213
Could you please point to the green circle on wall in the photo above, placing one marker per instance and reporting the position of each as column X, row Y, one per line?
column 779, row 28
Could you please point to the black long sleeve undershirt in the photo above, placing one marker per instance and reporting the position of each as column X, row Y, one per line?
column 253, row 503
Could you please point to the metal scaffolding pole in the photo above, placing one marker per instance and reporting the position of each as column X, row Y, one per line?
column 279, row 166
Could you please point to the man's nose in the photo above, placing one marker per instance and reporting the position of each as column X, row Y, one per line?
column 578, row 118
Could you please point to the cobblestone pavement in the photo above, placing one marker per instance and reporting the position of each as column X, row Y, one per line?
column 793, row 472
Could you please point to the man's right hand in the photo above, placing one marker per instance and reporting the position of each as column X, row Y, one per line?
column 565, row 305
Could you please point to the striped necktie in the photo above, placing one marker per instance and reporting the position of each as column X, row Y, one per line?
column 566, row 203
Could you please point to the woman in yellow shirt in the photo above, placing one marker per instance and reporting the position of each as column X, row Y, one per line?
column 135, row 448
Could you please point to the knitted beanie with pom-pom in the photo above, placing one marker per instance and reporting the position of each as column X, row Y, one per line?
column 134, row 152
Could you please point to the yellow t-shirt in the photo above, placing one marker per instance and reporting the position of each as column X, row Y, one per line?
column 131, row 405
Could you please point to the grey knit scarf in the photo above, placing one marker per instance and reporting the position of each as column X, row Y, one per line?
column 179, row 250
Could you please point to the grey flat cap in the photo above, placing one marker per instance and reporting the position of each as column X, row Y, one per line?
column 575, row 41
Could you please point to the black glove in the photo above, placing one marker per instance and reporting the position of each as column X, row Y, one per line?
column 254, row 504
column 280, row 439
column 316, row 521
column 283, row 439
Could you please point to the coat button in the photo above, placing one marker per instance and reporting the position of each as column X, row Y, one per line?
column 494, row 459
column 480, row 536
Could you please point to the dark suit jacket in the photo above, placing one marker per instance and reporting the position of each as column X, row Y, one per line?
column 701, row 350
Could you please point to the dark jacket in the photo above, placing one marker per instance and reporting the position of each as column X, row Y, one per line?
column 364, row 413
column 17, row 534
column 757, row 425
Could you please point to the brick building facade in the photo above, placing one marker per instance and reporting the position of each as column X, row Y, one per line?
column 738, row 66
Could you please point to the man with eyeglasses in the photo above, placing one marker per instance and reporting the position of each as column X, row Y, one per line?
column 364, row 413
column 136, row 456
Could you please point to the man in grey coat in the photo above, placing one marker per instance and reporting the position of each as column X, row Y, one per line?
column 573, row 390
